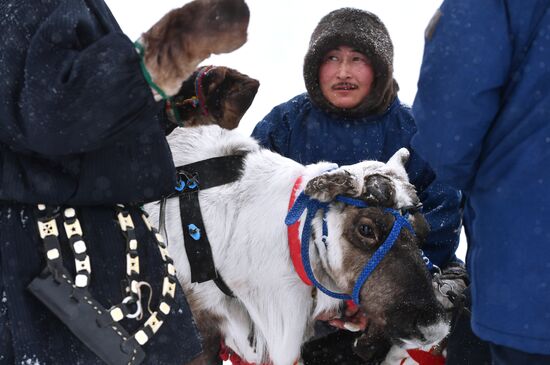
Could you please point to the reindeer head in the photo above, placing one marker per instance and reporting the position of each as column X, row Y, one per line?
column 215, row 95
column 397, row 296
column 180, row 40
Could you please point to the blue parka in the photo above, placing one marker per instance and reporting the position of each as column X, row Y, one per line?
column 299, row 130
column 79, row 127
column 483, row 116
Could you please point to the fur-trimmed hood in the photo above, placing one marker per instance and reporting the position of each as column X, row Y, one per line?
column 365, row 32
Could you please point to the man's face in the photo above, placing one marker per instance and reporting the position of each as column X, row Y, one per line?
column 345, row 77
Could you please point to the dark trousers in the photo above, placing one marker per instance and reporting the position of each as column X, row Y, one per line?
column 507, row 356
column 6, row 353
column 464, row 347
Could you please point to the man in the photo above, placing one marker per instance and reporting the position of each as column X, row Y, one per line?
column 351, row 113
column 483, row 115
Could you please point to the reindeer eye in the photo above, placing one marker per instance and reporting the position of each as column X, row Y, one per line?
column 366, row 231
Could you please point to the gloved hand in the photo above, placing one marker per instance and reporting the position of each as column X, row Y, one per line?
column 450, row 284
column 173, row 48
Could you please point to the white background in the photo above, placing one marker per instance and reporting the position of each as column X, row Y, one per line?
column 278, row 36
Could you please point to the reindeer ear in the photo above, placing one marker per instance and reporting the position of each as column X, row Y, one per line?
column 379, row 190
column 239, row 91
column 184, row 37
column 397, row 162
column 325, row 187
column 228, row 95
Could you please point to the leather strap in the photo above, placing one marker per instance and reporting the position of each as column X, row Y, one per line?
column 192, row 178
column 196, row 240
column 214, row 171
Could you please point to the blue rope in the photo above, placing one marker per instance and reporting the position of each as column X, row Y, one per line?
column 377, row 257
column 405, row 218
column 313, row 207
column 427, row 261
column 325, row 228
column 361, row 204
column 351, row 201
column 304, row 202
column 300, row 204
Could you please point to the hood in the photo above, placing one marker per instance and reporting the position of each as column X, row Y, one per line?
column 364, row 32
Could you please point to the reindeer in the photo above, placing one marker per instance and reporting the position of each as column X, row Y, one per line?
column 271, row 312
column 212, row 95
column 184, row 37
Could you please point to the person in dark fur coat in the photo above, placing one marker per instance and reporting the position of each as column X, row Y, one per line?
column 82, row 131
column 350, row 113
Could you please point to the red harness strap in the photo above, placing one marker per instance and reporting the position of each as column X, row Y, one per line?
column 294, row 239
column 226, row 354
column 294, row 244
column 425, row 357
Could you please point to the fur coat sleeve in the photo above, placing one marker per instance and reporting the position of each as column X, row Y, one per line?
column 273, row 131
column 79, row 85
column 79, row 122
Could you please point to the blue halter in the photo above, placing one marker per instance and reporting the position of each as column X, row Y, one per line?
column 304, row 202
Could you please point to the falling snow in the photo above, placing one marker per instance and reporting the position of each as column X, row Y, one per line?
column 30, row 360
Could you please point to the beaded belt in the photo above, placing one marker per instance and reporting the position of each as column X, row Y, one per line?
column 70, row 300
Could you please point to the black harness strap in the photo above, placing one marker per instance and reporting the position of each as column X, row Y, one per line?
column 214, row 171
column 223, row 286
column 191, row 179
column 196, row 241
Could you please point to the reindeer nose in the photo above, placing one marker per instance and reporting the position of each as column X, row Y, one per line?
column 417, row 323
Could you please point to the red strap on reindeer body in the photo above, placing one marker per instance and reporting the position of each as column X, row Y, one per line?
column 421, row 357
column 226, row 354
column 294, row 243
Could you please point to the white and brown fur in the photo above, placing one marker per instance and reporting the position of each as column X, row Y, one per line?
column 227, row 94
column 184, row 37
column 273, row 311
